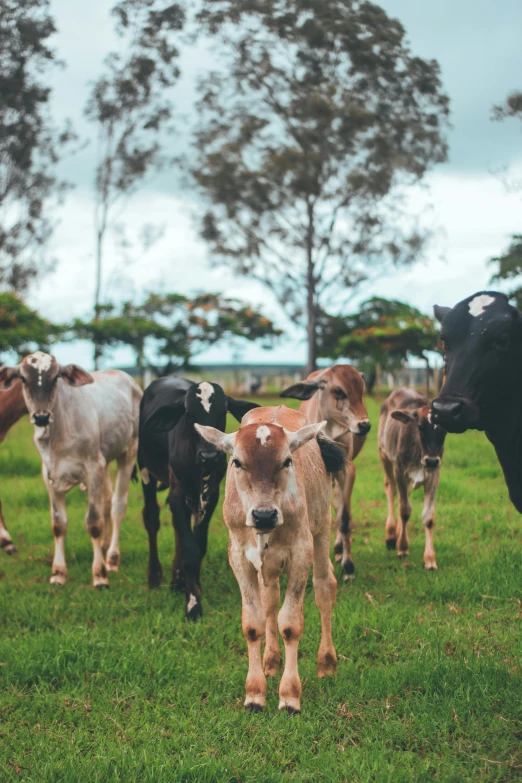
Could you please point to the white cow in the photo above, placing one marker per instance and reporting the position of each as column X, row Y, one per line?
column 82, row 423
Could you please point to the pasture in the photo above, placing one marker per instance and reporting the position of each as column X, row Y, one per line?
column 118, row 686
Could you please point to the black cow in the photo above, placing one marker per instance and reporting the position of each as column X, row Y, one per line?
column 171, row 452
column 483, row 386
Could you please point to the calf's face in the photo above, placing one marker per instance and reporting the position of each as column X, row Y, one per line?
column 262, row 467
column 340, row 402
column 40, row 374
column 482, row 336
column 431, row 437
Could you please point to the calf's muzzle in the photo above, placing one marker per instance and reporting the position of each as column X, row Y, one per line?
column 264, row 519
column 208, row 457
column 432, row 462
column 364, row 427
column 41, row 419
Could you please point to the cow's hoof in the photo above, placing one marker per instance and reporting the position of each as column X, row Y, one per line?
column 177, row 583
column 338, row 552
column 254, row 707
column 113, row 562
column 431, row 566
column 193, row 610
column 101, row 585
column 348, row 570
column 291, row 711
column 403, row 553
column 58, row 579
column 8, row 547
column 272, row 664
column 154, row 576
column 391, row 543
column 327, row 665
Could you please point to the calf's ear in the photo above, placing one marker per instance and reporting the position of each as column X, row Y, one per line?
column 219, row 439
column 238, row 408
column 439, row 312
column 404, row 416
column 75, row 376
column 7, row 376
column 302, row 436
column 164, row 418
column 304, row 390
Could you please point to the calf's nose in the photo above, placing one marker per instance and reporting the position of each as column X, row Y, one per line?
column 364, row 427
column 208, row 456
column 264, row 520
column 432, row 462
column 41, row 419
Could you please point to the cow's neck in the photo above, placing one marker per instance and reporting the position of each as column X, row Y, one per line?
column 504, row 431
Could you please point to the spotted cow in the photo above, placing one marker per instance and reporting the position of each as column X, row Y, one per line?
column 82, row 423
column 172, row 454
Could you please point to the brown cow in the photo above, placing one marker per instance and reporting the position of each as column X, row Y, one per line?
column 336, row 395
column 411, row 449
column 277, row 510
column 12, row 408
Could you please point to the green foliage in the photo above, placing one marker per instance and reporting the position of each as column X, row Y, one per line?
column 174, row 327
column 317, row 121
column 118, row 687
column 28, row 142
column 383, row 330
column 510, row 268
column 21, row 329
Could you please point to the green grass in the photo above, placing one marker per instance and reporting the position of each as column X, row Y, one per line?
column 117, row 686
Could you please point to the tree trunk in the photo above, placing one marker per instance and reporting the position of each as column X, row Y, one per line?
column 428, row 372
column 378, row 378
column 97, row 294
column 311, row 305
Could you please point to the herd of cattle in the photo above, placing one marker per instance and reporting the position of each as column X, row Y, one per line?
column 282, row 469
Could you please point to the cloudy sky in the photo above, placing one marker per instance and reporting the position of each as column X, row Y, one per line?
column 477, row 43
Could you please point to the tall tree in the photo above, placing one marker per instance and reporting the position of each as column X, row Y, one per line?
column 384, row 331
column 317, row 122
column 170, row 329
column 28, row 140
column 22, row 330
column 132, row 111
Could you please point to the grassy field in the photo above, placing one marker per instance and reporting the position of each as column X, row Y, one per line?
column 117, row 686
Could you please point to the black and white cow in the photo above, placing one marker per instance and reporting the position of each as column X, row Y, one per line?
column 483, row 386
column 172, row 453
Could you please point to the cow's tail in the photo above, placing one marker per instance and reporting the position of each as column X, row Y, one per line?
column 334, row 456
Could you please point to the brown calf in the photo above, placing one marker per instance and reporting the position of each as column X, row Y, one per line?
column 277, row 510
column 411, row 449
column 336, row 396
column 12, row 408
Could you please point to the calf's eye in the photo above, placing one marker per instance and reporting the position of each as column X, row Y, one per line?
column 236, row 463
column 287, row 462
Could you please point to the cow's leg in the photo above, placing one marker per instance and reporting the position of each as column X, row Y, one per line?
column 325, row 589
column 120, row 498
column 59, row 526
column 291, row 625
column 253, row 623
column 201, row 528
column 189, row 555
column 428, row 519
column 270, row 597
column 151, row 520
column 107, row 502
column 343, row 494
column 6, row 542
column 390, row 488
column 403, row 485
column 94, row 522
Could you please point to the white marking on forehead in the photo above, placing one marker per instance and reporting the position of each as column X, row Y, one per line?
column 205, row 392
column 41, row 361
column 479, row 304
column 262, row 434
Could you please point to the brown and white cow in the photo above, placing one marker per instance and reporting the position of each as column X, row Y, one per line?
column 277, row 510
column 411, row 449
column 12, row 408
column 335, row 395
column 82, row 423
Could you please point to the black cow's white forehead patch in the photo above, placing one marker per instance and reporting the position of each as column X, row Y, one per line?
column 478, row 304
column 205, row 393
